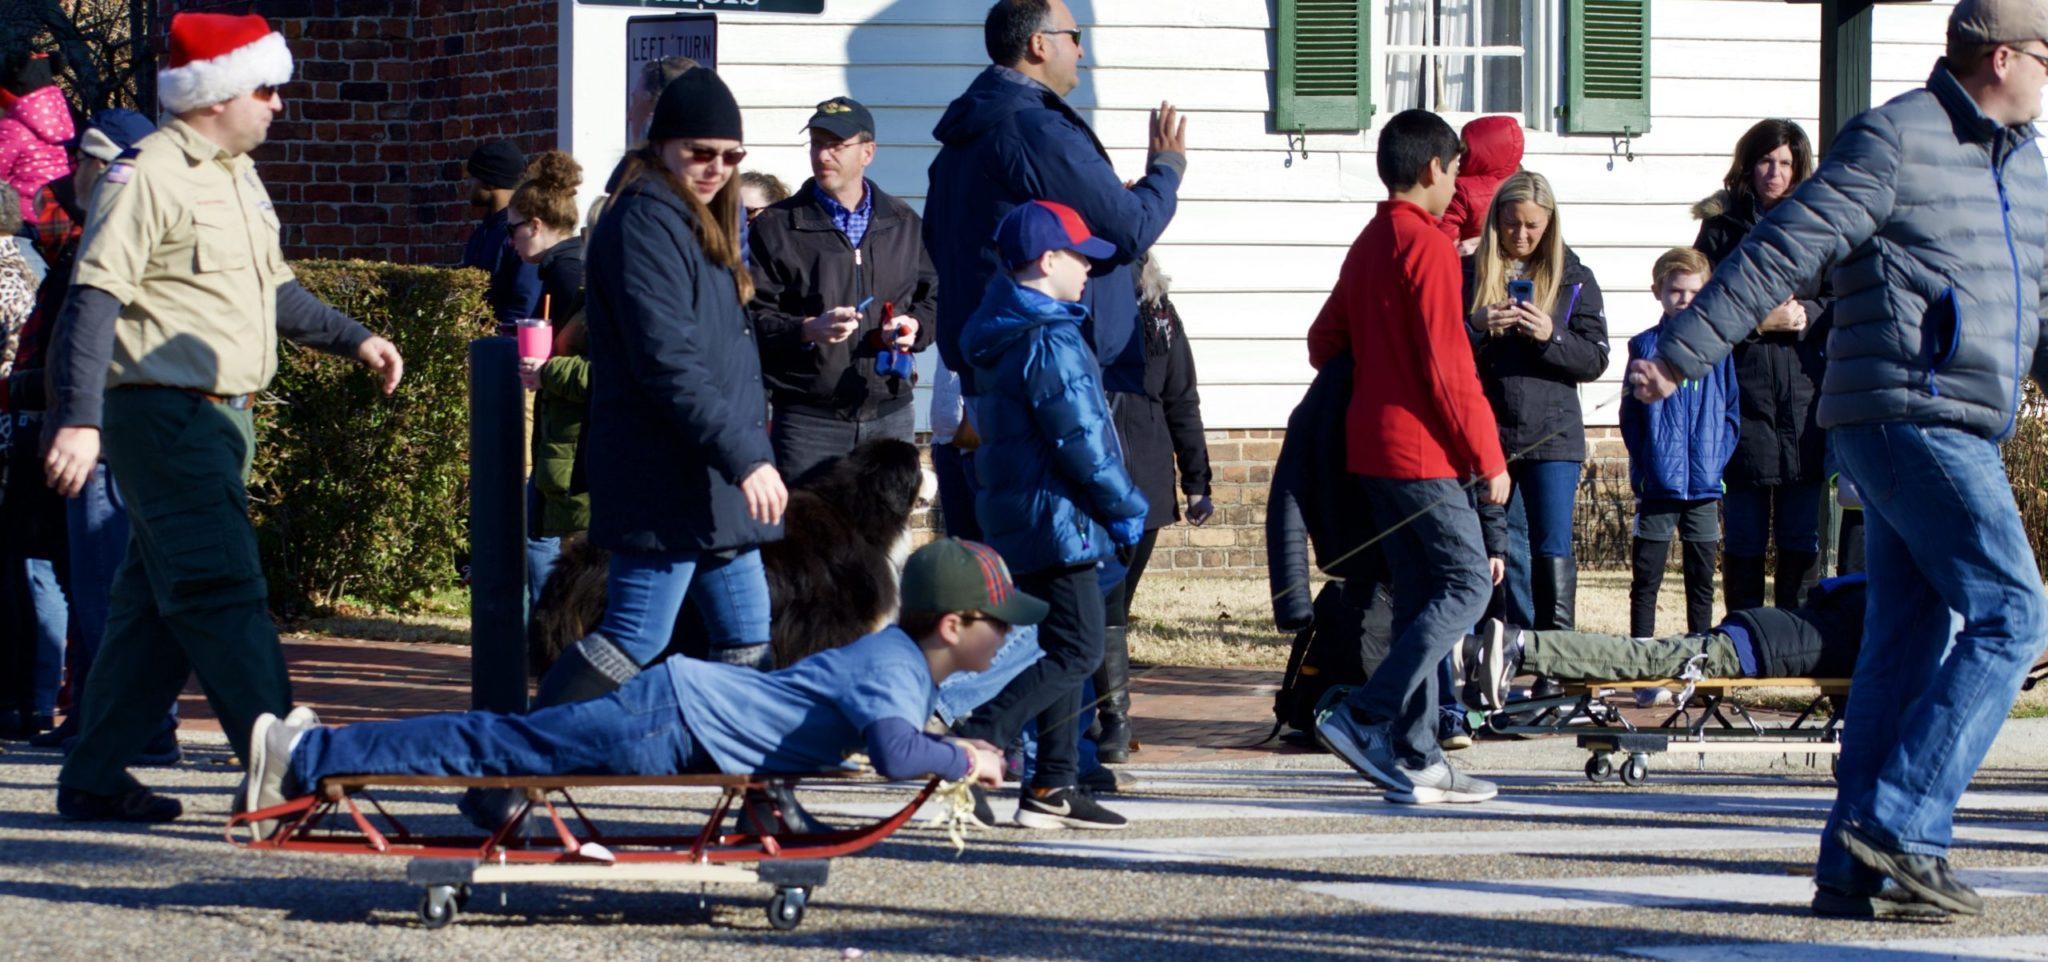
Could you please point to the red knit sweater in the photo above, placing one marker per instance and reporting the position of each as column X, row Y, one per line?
column 1417, row 411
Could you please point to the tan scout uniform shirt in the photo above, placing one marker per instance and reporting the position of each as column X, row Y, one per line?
column 184, row 236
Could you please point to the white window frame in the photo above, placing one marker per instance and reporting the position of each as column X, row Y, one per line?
column 1541, row 81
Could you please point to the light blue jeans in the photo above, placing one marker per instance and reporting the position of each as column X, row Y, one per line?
column 1944, row 539
column 52, row 616
column 644, row 592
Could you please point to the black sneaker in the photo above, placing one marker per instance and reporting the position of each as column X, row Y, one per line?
column 1453, row 732
column 135, row 804
column 1927, row 877
column 1892, row 904
column 774, row 811
column 161, row 751
column 56, row 737
column 1065, row 808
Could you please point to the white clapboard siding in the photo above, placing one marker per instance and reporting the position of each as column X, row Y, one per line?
column 1257, row 239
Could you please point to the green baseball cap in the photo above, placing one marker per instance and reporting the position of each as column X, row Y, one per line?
column 953, row 574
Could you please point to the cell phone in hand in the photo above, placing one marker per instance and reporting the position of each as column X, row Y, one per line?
column 1522, row 291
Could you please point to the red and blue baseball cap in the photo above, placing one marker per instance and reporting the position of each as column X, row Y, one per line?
column 1031, row 229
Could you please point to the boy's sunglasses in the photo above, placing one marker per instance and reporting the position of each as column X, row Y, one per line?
column 705, row 155
column 1001, row 626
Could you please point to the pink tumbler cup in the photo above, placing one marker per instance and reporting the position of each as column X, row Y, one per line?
column 536, row 338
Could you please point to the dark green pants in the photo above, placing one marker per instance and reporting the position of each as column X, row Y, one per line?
column 1572, row 656
column 189, row 598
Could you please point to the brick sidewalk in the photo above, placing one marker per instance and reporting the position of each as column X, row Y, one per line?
column 1181, row 714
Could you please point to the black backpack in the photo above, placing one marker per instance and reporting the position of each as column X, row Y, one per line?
column 1338, row 650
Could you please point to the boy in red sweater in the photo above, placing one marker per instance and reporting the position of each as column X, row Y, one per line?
column 1418, row 429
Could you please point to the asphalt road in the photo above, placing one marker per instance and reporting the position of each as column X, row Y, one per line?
column 1281, row 858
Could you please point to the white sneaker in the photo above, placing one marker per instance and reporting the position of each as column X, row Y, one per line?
column 270, row 758
column 1440, row 783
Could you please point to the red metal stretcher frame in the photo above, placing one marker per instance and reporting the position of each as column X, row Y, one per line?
column 508, row 855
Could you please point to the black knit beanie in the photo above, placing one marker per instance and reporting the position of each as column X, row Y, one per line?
column 26, row 74
column 696, row 105
column 498, row 164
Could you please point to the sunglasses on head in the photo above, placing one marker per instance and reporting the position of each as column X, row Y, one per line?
column 705, row 155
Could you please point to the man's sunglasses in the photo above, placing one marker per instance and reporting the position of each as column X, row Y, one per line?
column 265, row 93
column 1074, row 33
column 705, row 155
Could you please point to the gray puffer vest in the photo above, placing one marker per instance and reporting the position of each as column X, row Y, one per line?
column 1934, row 218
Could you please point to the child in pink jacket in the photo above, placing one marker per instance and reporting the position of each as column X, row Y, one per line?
column 1493, row 152
column 34, row 124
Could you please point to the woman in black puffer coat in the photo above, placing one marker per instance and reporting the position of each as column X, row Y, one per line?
column 1774, row 480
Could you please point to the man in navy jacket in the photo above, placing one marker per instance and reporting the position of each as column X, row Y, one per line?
column 1010, row 139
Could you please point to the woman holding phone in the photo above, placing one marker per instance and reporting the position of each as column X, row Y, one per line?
column 1538, row 327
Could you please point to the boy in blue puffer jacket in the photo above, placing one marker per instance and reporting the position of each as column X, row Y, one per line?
column 1677, row 449
column 1055, row 499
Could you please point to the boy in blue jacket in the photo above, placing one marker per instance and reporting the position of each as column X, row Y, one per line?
column 1677, row 449
column 1055, row 499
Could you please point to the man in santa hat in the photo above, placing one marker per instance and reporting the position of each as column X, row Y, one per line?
column 178, row 300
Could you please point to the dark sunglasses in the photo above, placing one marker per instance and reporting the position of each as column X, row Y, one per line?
column 705, row 155
column 1074, row 33
column 1001, row 626
column 265, row 93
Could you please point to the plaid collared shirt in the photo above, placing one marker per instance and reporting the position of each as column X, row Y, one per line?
column 852, row 223
column 57, row 231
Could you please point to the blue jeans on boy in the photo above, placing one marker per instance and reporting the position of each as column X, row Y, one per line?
column 1943, row 535
column 645, row 590
column 46, row 596
column 541, row 552
column 1438, row 561
column 637, row 730
column 1755, row 516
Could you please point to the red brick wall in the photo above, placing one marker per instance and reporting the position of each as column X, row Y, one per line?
column 387, row 102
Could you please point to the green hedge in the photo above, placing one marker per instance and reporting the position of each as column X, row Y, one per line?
column 357, row 494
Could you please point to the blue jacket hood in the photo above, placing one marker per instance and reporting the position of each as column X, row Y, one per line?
column 1008, row 313
column 988, row 101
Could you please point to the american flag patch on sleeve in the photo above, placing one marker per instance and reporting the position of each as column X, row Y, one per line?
column 120, row 173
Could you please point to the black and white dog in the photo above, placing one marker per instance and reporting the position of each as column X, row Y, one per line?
column 831, row 579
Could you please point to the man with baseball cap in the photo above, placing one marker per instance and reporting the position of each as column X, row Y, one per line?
column 1933, row 212
column 842, row 289
column 1054, row 497
column 873, row 695
column 177, row 302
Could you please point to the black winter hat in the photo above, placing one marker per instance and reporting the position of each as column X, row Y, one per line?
column 27, row 74
column 696, row 104
column 498, row 164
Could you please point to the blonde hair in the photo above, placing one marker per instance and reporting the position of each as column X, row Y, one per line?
column 717, row 224
column 1679, row 260
column 1545, row 266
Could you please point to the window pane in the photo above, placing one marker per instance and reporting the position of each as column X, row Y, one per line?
column 1454, row 25
column 1503, row 22
column 1456, row 83
column 1404, row 82
column 1503, row 85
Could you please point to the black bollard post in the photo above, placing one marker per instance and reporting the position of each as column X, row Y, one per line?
column 497, row 528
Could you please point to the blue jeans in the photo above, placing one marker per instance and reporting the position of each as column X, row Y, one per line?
column 1517, row 601
column 1943, row 535
column 1548, row 492
column 955, row 469
column 52, row 617
column 1751, row 515
column 645, row 591
column 540, row 559
column 1438, row 561
column 637, row 730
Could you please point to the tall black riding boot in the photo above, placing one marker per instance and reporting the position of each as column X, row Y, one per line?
column 1797, row 571
column 1743, row 577
column 1112, row 691
column 1698, row 562
column 1554, row 590
column 1647, row 563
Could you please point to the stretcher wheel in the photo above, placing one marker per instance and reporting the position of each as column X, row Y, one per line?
column 439, row 905
column 1599, row 767
column 1636, row 770
column 786, row 909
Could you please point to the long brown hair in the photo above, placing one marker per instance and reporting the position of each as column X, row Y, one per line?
column 1759, row 140
column 1545, row 266
column 548, row 193
column 717, row 224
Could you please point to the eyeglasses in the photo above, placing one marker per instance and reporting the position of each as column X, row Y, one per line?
column 514, row 227
column 842, row 145
column 2041, row 59
column 1074, row 33
column 705, row 155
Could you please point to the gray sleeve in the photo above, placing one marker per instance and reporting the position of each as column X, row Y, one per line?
column 81, row 349
column 305, row 319
column 1839, row 207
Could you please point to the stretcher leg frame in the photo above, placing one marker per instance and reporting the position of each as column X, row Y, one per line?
column 331, row 822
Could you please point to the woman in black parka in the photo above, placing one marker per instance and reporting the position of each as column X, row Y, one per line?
column 1773, row 483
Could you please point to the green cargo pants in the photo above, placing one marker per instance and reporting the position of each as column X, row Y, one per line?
column 1572, row 656
column 189, row 598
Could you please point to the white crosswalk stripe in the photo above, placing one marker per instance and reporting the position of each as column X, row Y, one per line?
column 1482, row 897
column 2009, row 947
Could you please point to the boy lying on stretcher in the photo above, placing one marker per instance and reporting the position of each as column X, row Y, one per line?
column 1817, row 640
column 690, row 716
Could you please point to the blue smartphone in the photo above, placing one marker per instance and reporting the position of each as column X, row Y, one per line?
column 1522, row 291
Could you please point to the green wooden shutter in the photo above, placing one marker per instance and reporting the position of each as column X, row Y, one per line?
column 1325, row 79
column 1607, row 66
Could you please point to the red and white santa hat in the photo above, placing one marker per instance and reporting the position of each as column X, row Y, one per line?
column 216, row 57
